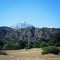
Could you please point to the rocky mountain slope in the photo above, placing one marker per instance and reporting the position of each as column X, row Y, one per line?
column 29, row 33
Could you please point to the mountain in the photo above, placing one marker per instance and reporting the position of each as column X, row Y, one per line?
column 21, row 25
column 7, row 33
column 27, row 34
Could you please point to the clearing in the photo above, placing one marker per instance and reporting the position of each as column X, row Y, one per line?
column 31, row 54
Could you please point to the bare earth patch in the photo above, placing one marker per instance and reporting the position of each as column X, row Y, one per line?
column 31, row 54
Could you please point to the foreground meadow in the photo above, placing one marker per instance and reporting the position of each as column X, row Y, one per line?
column 31, row 54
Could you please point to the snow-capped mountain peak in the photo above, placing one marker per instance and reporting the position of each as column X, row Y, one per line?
column 21, row 25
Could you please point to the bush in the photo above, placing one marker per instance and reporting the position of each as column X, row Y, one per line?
column 35, row 45
column 28, row 45
column 21, row 44
column 50, row 49
column 10, row 45
column 44, row 44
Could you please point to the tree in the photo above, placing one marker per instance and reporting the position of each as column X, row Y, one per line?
column 1, row 45
column 35, row 44
column 11, row 45
column 44, row 44
column 28, row 45
column 56, row 39
column 21, row 44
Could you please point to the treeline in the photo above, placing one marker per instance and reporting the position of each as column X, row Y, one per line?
column 21, row 44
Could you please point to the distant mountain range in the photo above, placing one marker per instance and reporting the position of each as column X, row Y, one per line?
column 26, row 33
column 21, row 25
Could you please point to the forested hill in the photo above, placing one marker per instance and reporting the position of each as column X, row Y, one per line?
column 27, row 34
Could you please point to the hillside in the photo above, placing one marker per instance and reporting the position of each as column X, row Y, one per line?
column 29, row 33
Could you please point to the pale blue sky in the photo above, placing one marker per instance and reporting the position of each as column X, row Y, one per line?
column 40, row 13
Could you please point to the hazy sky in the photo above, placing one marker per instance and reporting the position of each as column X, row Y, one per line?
column 40, row 13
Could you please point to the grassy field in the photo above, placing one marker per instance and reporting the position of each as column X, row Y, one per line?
column 31, row 54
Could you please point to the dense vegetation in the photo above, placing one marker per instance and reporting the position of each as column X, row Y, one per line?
column 13, row 45
column 50, row 49
column 10, row 45
column 30, row 37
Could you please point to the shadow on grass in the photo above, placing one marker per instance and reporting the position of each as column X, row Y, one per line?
column 3, row 53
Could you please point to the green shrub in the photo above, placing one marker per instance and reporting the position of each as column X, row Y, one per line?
column 10, row 45
column 28, row 45
column 35, row 45
column 50, row 49
column 21, row 44
column 44, row 44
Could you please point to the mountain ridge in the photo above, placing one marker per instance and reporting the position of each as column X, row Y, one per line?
column 29, row 33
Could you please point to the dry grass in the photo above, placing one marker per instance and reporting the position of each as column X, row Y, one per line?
column 31, row 54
